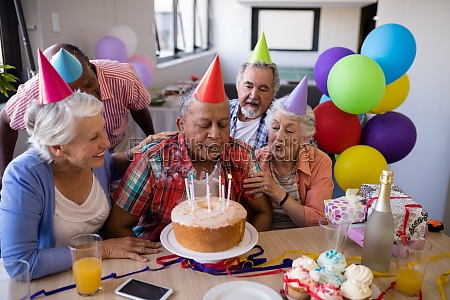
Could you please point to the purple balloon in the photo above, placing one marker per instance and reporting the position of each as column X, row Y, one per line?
column 391, row 133
column 143, row 73
column 325, row 62
column 111, row 47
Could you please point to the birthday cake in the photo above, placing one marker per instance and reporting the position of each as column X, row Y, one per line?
column 215, row 227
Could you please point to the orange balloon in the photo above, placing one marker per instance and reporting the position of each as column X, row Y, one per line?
column 394, row 95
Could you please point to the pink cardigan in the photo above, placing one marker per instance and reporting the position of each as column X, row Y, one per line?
column 314, row 179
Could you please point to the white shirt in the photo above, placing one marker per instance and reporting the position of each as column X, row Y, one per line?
column 246, row 131
column 71, row 219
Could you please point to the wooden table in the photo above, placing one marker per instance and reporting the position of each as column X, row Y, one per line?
column 188, row 284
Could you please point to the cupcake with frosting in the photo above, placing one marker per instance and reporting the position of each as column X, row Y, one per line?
column 360, row 272
column 298, row 283
column 333, row 260
column 323, row 275
column 305, row 262
column 354, row 289
column 327, row 291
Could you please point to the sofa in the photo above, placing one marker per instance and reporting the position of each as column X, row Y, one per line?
column 314, row 94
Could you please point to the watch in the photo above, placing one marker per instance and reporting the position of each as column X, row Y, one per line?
column 284, row 200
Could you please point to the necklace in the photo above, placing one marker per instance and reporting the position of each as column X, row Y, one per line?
column 274, row 170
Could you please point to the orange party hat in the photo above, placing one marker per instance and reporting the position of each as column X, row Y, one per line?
column 211, row 88
column 297, row 100
column 52, row 88
column 261, row 51
column 67, row 65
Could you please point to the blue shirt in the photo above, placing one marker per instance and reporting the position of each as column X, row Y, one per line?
column 26, row 212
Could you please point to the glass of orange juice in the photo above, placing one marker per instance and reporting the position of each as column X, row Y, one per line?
column 412, row 260
column 86, row 250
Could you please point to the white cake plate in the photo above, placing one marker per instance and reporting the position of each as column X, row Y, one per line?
column 170, row 243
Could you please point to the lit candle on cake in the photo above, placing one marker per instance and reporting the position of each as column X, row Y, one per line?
column 192, row 192
column 186, row 185
column 220, row 187
column 208, row 198
column 229, row 189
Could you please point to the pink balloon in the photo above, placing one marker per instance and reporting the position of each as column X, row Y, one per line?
column 111, row 47
column 143, row 73
column 144, row 59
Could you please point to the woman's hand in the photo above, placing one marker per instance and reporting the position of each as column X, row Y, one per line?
column 129, row 247
column 157, row 136
column 263, row 182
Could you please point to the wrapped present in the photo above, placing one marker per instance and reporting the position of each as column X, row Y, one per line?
column 345, row 208
column 369, row 191
column 409, row 217
column 356, row 234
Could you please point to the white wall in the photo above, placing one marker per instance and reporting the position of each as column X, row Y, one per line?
column 339, row 26
column 425, row 172
column 84, row 22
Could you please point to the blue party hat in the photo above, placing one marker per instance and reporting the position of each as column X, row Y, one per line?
column 67, row 65
column 297, row 100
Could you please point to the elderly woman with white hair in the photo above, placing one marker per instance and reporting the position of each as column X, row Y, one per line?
column 59, row 187
column 296, row 176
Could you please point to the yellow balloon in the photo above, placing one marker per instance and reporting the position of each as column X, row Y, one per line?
column 394, row 95
column 357, row 165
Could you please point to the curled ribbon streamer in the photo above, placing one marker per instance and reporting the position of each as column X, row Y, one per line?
column 72, row 286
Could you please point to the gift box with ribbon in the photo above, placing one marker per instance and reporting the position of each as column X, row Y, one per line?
column 345, row 208
column 409, row 217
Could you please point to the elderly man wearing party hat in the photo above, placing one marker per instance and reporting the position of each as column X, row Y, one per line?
column 115, row 84
column 296, row 176
column 257, row 83
column 59, row 187
column 155, row 181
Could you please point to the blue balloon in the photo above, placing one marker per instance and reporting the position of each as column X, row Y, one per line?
column 393, row 47
column 324, row 98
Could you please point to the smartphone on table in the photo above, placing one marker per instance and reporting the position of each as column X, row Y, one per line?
column 141, row 290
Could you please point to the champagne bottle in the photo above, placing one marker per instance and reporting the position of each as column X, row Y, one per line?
column 380, row 229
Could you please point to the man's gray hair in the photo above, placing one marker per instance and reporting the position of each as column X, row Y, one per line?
column 56, row 123
column 261, row 65
column 307, row 121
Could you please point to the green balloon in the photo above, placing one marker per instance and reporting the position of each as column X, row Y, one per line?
column 356, row 84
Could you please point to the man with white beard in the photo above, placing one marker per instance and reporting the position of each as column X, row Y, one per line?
column 257, row 83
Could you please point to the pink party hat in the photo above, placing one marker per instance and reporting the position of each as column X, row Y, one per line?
column 52, row 88
column 211, row 88
column 261, row 51
column 67, row 65
column 296, row 101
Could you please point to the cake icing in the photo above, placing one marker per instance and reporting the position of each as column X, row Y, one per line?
column 360, row 272
column 355, row 289
column 305, row 262
column 323, row 275
column 215, row 218
column 332, row 259
column 328, row 291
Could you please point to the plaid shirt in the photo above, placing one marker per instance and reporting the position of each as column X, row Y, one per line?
column 120, row 89
column 261, row 134
column 154, row 182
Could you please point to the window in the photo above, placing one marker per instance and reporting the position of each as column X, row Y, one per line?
column 181, row 28
column 301, row 25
